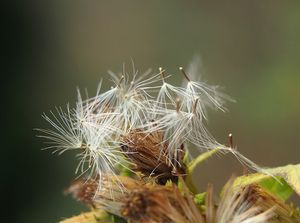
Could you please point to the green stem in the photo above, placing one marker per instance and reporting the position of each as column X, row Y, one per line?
column 192, row 166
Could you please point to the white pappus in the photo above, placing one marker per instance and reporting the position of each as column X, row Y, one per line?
column 145, row 102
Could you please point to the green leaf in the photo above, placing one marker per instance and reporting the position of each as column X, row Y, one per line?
column 116, row 219
column 287, row 178
column 186, row 156
column 169, row 183
column 200, row 198
column 125, row 171
column 279, row 187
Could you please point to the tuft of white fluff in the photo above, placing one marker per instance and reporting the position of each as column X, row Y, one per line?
column 136, row 101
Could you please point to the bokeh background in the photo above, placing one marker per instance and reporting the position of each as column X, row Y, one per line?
column 252, row 48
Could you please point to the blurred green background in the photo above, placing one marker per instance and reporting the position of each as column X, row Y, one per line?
column 252, row 48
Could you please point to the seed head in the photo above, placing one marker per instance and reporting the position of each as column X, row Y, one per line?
column 160, row 204
column 248, row 204
column 148, row 152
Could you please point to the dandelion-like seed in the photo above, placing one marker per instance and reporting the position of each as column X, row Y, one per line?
column 97, row 126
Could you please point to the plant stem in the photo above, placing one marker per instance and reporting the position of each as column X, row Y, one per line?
column 192, row 166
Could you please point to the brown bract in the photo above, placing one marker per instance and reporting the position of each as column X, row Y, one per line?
column 139, row 202
column 155, row 204
column 83, row 191
column 148, row 152
column 249, row 203
column 282, row 212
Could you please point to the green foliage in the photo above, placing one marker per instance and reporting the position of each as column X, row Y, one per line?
column 279, row 187
column 280, row 181
column 169, row 183
column 185, row 158
column 192, row 166
column 116, row 219
column 200, row 198
column 125, row 171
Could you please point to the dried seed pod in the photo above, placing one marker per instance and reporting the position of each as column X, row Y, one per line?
column 138, row 202
column 109, row 196
column 83, row 191
column 248, row 204
column 148, row 152
column 282, row 212
column 160, row 204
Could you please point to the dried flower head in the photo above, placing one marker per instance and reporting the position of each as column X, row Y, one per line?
column 240, row 206
column 160, row 204
column 248, row 204
column 149, row 154
column 141, row 128
column 153, row 124
column 83, row 191
column 139, row 202
column 109, row 197
column 281, row 211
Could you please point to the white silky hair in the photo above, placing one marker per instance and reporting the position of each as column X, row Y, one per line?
column 64, row 136
column 147, row 102
column 210, row 96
